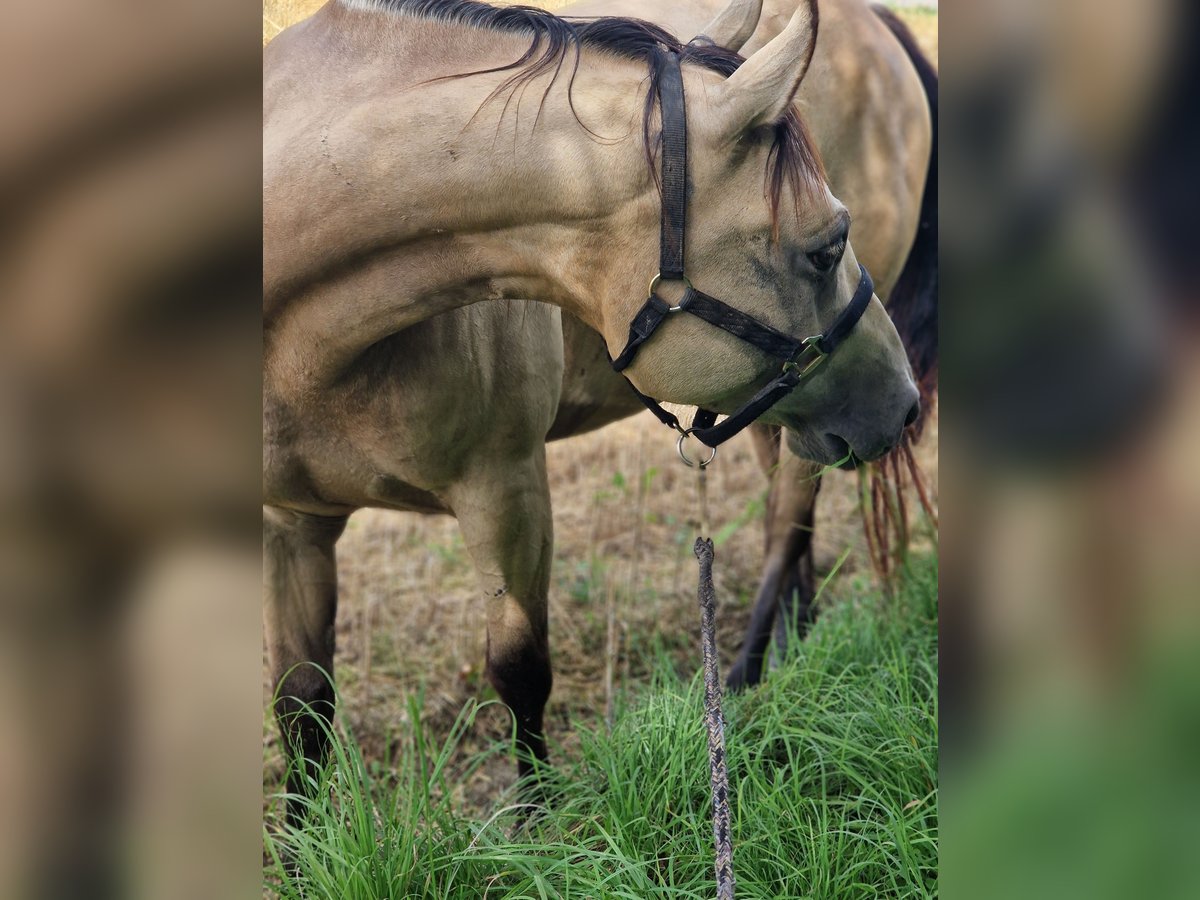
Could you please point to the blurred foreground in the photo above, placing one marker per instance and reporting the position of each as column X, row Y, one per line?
column 1070, row 666
column 130, row 351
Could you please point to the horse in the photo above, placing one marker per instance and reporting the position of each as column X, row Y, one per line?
column 401, row 181
column 898, row 204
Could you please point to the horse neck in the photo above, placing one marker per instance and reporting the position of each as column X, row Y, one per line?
column 412, row 198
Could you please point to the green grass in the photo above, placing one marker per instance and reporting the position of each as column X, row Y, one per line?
column 833, row 766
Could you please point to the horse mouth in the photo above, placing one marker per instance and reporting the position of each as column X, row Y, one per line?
column 839, row 449
column 825, row 449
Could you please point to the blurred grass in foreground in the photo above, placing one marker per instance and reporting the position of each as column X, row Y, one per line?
column 1075, row 799
column 833, row 764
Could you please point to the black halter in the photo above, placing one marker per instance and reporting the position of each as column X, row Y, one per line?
column 800, row 357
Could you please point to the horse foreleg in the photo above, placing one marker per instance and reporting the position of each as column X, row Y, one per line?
column 797, row 611
column 299, row 607
column 787, row 579
column 505, row 518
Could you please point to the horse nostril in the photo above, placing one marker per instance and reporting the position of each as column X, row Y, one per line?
column 913, row 412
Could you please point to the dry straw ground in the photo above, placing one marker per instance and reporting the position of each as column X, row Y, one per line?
column 411, row 617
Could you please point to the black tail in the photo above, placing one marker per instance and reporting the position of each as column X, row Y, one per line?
column 913, row 304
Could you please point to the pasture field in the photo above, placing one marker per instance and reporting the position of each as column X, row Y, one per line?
column 834, row 761
column 833, row 765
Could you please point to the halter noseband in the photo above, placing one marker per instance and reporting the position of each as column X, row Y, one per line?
column 800, row 357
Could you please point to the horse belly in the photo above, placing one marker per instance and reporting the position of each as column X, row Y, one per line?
column 419, row 409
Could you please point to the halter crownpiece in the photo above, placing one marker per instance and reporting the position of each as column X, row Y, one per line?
column 800, row 357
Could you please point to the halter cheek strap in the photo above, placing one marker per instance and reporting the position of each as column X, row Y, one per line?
column 800, row 356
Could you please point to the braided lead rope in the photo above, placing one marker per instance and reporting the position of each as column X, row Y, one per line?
column 714, row 722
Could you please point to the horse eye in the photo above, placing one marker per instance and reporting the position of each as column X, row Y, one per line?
column 828, row 257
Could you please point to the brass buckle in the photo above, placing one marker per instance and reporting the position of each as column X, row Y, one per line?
column 805, row 369
column 657, row 280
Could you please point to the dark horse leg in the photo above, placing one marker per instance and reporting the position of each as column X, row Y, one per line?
column 787, row 585
column 299, row 607
column 504, row 514
column 797, row 611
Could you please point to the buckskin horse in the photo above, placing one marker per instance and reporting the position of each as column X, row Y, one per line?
column 880, row 157
column 399, row 184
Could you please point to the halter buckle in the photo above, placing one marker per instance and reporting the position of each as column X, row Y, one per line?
column 657, row 280
column 804, row 369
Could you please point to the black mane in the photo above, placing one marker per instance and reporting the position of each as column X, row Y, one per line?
column 793, row 160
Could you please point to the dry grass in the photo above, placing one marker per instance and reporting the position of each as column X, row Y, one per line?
column 411, row 616
column 279, row 14
column 923, row 21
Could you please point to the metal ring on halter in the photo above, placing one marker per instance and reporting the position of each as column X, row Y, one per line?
column 657, row 279
column 687, row 460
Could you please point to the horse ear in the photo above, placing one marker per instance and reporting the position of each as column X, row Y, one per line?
column 734, row 24
column 761, row 91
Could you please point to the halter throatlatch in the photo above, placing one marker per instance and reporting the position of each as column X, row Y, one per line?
column 800, row 356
